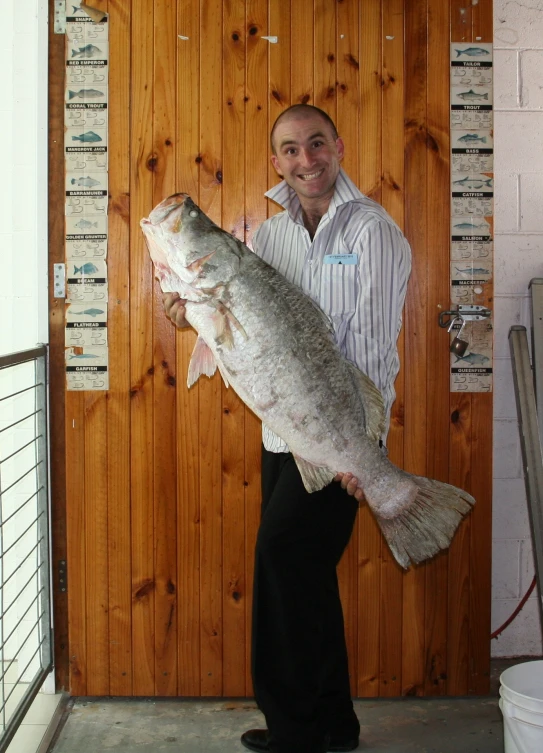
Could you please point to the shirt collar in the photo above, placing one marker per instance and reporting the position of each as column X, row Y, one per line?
column 345, row 191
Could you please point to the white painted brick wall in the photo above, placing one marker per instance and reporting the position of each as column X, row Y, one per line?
column 518, row 164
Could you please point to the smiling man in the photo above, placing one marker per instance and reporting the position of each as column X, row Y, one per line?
column 349, row 256
column 344, row 251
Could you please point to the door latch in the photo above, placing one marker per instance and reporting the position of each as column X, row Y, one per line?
column 467, row 313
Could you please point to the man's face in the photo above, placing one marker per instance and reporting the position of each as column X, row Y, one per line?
column 307, row 156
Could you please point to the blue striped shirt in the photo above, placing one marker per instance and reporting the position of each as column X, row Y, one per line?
column 364, row 300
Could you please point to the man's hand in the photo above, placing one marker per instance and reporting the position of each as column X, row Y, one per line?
column 174, row 306
column 350, row 484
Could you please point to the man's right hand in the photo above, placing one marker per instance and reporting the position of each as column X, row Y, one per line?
column 174, row 306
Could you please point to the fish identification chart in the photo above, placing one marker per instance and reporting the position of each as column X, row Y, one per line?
column 472, row 207
column 86, row 156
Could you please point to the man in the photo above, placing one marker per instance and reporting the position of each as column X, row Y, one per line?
column 348, row 255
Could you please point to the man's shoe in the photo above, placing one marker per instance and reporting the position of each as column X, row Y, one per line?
column 258, row 741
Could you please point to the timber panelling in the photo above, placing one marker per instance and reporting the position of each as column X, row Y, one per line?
column 162, row 483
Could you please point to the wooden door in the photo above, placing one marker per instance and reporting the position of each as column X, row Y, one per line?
column 157, row 486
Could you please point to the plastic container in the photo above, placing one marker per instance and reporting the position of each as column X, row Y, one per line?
column 521, row 704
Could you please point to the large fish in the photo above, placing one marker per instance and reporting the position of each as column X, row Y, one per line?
column 276, row 348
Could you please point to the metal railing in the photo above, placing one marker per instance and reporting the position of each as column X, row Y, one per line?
column 25, row 594
column 529, row 397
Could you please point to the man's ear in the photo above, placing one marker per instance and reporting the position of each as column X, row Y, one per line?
column 275, row 163
column 340, row 146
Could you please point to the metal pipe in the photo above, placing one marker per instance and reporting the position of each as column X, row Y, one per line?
column 14, row 483
column 24, row 356
column 530, row 442
column 20, row 421
column 5, row 460
column 20, row 392
column 10, row 547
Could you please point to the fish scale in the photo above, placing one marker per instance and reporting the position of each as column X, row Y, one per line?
column 275, row 347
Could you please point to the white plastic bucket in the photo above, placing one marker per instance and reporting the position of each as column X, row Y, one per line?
column 521, row 704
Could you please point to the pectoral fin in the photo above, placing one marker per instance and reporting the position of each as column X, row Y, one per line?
column 314, row 477
column 202, row 361
column 223, row 321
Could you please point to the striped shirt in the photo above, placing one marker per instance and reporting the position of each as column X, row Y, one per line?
column 364, row 300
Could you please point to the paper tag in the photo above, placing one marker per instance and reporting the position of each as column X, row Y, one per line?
column 341, row 259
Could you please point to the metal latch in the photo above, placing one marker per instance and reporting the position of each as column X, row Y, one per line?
column 59, row 280
column 60, row 17
column 62, row 576
column 466, row 313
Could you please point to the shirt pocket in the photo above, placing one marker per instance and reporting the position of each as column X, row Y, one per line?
column 338, row 288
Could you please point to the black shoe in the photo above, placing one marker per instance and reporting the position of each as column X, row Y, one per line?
column 258, row 740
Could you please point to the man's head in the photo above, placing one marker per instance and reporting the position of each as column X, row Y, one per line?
column 301, row 111
column 307, row 153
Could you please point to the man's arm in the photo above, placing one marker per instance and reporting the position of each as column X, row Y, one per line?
column 370, row 335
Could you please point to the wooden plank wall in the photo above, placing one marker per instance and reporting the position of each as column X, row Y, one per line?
column 162, row 483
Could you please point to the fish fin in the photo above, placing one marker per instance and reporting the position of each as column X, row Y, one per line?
column 427, row 522
column 222, row 372
column 223, row 321
column 314, row 477
column 372, row 400
column 202, row 361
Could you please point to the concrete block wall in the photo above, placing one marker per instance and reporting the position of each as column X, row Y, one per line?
column 518, row 257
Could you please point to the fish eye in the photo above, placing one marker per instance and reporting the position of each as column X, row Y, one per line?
column 193, row 213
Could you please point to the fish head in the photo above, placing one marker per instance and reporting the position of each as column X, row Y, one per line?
column 182, row 240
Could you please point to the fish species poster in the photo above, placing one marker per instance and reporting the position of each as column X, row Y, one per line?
column 86, row 325
column 86, row 191
column 472, row 208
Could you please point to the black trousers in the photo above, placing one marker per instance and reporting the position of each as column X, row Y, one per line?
column 300, row 670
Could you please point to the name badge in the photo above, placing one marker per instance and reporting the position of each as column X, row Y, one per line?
column 341, row 259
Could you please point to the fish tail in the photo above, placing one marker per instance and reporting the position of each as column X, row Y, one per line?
column 483, row 139
column 71, row 94
column 77, row 269
column 458, row 53
column 427, row 523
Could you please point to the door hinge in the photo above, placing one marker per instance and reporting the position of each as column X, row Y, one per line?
column 62, row 575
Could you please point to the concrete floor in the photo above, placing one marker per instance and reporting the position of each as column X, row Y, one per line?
column 439, row 725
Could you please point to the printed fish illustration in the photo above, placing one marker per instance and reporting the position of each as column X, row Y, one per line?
column 474, row 183
column 89, row 51
column 86, row 269
column 470, row 226
column 276, row 348
column 85, row 224
column 472, row 96
column 472, row 138
column 474, row 359
column 472, row 52
column 88, row 137
column 87, row 182
column 82, row 355
column 470, row 272
column 86, row 94
column 88, row 312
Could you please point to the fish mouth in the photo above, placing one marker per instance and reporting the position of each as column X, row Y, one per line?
column 166, row 207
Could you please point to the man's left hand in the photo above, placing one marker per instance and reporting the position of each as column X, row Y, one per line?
column 350, row 484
